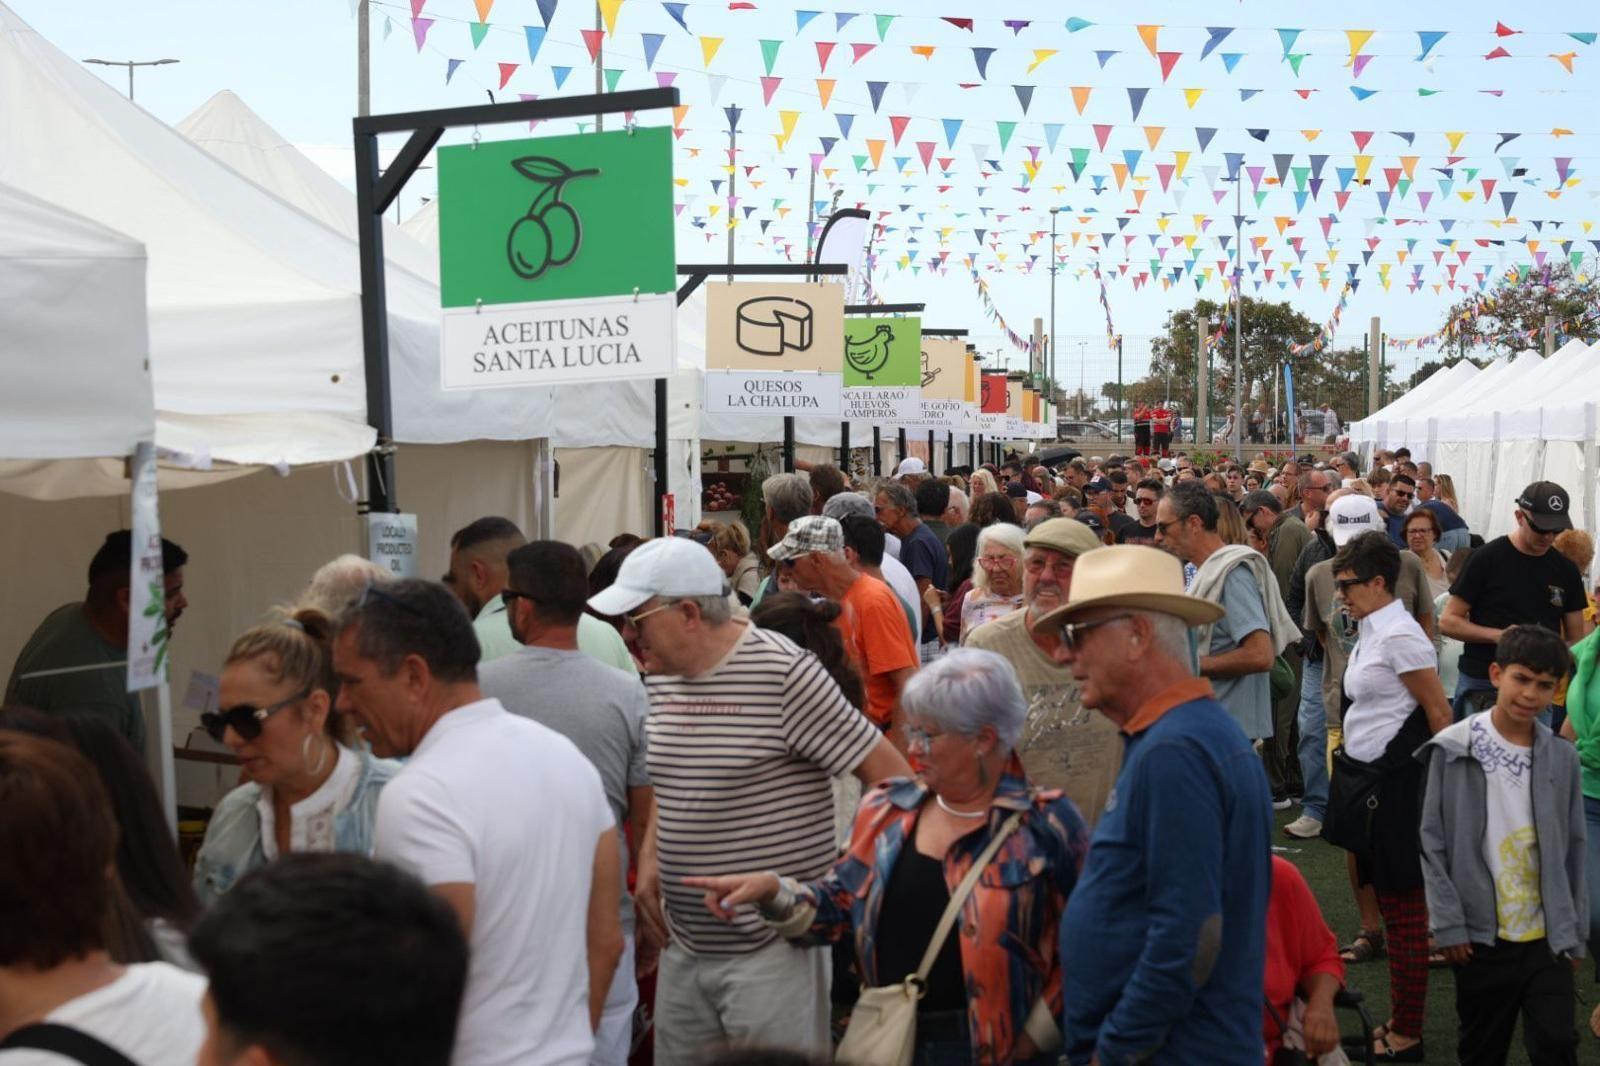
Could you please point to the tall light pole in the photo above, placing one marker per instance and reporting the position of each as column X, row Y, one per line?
column 1050, row 392
column 1083, row 347
column 130, row 64
column 1238, row 313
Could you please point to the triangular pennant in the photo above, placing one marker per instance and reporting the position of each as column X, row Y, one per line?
column 483, row 7
column 1040, row 56
column 592, row 40
column 534, row 35
column 479, row 32
column 825, row 92
column 1024, row 96
column 1006, row 130
column 769, row 53
column 1080, row 96
column 801, row 18
column 608, row 13
column 859, row 50
column 1203, row 135
column 1136, row 97
column 768, row 87
column 875, row 89
column 613, row 75
column 450, row 69
column 1075, row 24
column 898, row 124
column 673, row 9
column 1216, row 35
column 1288, row 37
column 419, row 31
column 1231, row 60
column 562, row 73
column 1104, row 57
column 708, row 49
column 824, row 53
column 1192, row 97
column 1357, row 40
column 980, row 57
column 952, row 127
column 1149, row 34
column 883, row 25
column 1168, row 60
column 506, row 70
column 652, row 45
column 1427, row 39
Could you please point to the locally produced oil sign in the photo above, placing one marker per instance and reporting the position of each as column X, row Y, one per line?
column 556, row 260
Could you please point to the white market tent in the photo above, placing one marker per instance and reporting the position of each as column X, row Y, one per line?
column 74, row 387
column 1497, row 429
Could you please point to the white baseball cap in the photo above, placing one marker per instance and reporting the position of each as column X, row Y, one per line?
column 911, row 465
column 1350, row 516
column 670, row 567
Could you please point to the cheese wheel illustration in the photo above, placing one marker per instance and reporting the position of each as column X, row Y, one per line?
column 772, row 325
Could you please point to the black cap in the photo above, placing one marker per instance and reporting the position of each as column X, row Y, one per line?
column 1017, row 490
column 1546, row 505
column 1090, row 519
column 1099, row 484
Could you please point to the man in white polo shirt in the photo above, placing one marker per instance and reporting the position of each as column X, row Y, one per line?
column 745, row 730
column 502, row 817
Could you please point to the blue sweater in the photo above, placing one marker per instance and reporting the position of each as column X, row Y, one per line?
column 1163, row 943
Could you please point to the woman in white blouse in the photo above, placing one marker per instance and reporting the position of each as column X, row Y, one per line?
column 310, row 786
column 1395, row 703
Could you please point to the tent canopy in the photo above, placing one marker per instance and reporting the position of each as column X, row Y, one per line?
column 74, row 382
column 255, row 335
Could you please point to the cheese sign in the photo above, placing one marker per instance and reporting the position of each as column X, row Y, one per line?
column 772, row 328
column 882, row 352
column 755, row 392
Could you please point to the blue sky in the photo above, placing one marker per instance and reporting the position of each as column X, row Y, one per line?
column 293, row 61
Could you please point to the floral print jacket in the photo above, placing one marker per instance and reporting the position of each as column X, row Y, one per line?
column 1008, row 926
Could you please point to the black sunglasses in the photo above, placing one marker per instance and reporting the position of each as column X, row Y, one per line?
column 1348, row 583
column 245, row 719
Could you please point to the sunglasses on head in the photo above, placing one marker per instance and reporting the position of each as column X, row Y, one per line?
column 244, row 718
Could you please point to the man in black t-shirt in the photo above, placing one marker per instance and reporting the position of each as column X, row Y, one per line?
column 1146, row 495
column 920, row 553
column 1514, row 580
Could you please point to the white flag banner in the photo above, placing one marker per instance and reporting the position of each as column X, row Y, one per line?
column 147, row 599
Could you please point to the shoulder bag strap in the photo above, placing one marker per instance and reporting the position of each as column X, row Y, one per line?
column 63, row 1040
column 947, row 920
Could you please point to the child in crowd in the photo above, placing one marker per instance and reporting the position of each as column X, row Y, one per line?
column 1503, row 859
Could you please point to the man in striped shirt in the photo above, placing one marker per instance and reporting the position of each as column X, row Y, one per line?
column 745, row 730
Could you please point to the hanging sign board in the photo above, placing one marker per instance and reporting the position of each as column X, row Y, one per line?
column 754, row 392
column 392, row 543
column 556, row 260
column 147, row 586
column 944, row 381
column 883, row 369
column 774, row 328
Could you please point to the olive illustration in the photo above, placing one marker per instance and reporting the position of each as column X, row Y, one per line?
column 528, row 247
column 551, row 233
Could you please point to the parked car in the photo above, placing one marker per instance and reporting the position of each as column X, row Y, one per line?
column 1083, row 429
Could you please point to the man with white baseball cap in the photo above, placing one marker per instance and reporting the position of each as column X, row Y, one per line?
column 1514, row 580
column 745, row 730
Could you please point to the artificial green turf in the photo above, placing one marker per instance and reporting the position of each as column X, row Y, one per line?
column 1323, row 866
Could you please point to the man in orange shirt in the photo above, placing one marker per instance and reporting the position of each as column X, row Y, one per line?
column 871, row 619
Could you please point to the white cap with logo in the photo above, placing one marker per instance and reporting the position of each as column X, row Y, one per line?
column 669, row 567
column 1350, row 516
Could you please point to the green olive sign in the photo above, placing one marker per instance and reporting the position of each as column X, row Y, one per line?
column 556, row 259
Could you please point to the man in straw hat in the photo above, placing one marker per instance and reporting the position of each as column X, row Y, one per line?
column 1163, row 948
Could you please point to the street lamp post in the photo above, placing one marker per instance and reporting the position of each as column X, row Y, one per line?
column 130, row 64
column 1051, row 391
column 1238, row 314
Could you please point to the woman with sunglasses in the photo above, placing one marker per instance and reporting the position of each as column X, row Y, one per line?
column 1395, row 703
column 310, row 785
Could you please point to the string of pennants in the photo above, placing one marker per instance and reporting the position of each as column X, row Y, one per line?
column 1369, row 200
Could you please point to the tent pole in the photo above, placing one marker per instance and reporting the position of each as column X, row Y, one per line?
column 375, row 327
column 659, row 471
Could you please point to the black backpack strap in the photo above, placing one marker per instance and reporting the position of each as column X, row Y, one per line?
column 68, row 1042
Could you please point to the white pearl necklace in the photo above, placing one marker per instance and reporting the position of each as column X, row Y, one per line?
column 943, row 806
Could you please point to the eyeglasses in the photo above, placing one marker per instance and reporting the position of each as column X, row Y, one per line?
column 245, row 719
column 1144, row 500
column 1419, row 531
column 1003, row 562
column 1402, row 493
column 920, row 738
column 1164, row 526
column 634, row 619
column 1072, row 632
column 1345, row 584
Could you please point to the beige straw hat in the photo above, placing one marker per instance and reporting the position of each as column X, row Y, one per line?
column 1131, row 575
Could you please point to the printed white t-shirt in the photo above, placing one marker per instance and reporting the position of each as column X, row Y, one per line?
column 151, row 1014
column 1510, row 842
column 512, row 808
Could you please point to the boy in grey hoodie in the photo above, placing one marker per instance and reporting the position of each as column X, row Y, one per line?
column 1503, row 859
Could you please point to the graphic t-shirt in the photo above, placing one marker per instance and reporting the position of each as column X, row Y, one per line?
column 1137, row 534
column 1507, row 587
column 1510, row 843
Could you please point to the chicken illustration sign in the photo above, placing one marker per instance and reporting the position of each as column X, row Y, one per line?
column 883, row 369
column 556, row 260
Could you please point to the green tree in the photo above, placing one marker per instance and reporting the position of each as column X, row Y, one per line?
column 1512, row 317
column 1269, row 331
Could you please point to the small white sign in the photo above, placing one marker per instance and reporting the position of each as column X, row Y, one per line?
column 147, row 599
column 558, row 342
column 203, row 693
column 392, row 543
column 875, row 403
column 757, row 392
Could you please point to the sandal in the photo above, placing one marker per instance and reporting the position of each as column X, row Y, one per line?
column 1366, row 947
column 1387, row 1052
column 1361, row 1040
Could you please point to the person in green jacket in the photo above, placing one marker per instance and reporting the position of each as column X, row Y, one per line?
column 1582, row 726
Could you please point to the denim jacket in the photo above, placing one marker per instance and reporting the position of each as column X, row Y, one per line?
column 235, row 843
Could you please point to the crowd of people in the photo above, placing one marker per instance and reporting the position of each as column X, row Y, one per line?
column 1004, row 745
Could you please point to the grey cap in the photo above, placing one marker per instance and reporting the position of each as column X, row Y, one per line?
column 843, row 504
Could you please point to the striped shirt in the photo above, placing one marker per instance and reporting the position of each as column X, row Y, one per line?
column 741, row 756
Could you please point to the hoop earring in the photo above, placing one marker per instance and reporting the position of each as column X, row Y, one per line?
column 305, row 756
